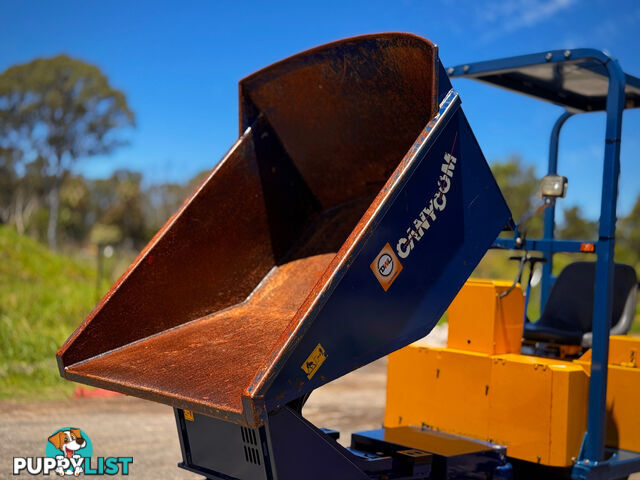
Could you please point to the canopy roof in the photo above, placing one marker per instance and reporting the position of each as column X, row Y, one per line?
column 577, row 79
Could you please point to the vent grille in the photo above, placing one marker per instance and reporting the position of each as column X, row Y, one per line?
column 250, row 440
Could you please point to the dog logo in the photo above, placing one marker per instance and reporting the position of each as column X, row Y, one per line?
column 72, row 444
column 70, row 452
column 386, row 267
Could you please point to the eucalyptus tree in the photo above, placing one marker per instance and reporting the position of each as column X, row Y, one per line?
column 60, row 110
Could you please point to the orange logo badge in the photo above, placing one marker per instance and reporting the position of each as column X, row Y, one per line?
column 386, row 267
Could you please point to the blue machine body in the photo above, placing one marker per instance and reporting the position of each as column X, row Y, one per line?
column 438, row 260
column 438, row 215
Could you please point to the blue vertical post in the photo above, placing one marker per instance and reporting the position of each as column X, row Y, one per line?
column 550, row 212
column 594, row 441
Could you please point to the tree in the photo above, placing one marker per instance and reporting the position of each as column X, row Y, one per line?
column 20, row 193
column 160, row 202
column 576, row 227
column 628, row 237
column 118, row 202
column 519, row 185
column 8, row 183
column 74, row 209
column 60, row 110
column 630, row 227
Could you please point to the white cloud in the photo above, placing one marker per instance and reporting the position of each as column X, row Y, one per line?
column 500, row 18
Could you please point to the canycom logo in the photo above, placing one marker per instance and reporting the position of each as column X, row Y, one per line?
column 431, row 210
column 386, row 265
column 70, row 452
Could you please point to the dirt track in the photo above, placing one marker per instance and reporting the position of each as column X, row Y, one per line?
column 123, row 426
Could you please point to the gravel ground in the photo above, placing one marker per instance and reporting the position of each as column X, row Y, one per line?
column 117, row 426
column 146, row 431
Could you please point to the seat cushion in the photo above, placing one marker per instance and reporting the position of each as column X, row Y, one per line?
column 544, row 333
column 568, row 314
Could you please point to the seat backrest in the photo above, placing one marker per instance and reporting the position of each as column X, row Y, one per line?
column 570, row 303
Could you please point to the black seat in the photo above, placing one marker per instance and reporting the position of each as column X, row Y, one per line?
column 568, row 313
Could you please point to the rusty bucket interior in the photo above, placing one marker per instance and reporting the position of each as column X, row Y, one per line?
column 207, row 303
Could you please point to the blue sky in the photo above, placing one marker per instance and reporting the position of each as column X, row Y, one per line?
column 179, row 64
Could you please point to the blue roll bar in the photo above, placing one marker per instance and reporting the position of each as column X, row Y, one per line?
column 591, row 462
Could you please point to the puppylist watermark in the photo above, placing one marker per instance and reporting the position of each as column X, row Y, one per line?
column 69, row 451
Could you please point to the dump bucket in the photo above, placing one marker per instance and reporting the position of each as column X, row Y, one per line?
column 337, row 229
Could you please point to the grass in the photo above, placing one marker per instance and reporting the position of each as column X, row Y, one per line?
column 43, row 297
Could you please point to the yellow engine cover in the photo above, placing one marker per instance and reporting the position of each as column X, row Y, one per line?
column 535, row 407
column 481, row 387
column 623, row 392
column 480, row 321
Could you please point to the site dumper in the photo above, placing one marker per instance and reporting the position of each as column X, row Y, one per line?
column 337, row 229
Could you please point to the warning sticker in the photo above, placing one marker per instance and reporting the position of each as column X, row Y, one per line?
column 386, row 266
column 313, row 361
column 188, row 415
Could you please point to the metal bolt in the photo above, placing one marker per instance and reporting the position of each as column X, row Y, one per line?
column 450, row 70
column 567, row 53
column 548, row 56
column 465, row 68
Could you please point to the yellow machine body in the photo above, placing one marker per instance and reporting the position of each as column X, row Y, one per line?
column 482, row 321
column 623, row 392
column 480, row 385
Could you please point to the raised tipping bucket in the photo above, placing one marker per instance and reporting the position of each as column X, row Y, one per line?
column 337, row 229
